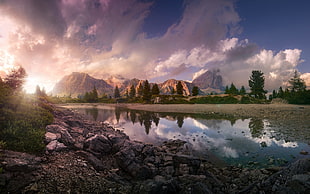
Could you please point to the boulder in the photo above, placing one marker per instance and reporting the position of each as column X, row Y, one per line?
column 55, row 146
column 51, row 137
column 99, row 145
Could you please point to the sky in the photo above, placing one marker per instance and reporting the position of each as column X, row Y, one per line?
column 155, row 39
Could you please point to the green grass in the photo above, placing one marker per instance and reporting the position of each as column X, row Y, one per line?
column 215, row 100
column 23, row 127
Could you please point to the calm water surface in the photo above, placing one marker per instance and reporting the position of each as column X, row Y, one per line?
column 247, row 142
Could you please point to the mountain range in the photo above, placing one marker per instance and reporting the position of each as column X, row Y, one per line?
column 78, row 83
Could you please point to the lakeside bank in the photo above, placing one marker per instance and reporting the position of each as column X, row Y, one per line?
column 87, row 156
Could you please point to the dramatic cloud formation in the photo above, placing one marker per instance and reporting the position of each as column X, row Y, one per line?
column 104, row 37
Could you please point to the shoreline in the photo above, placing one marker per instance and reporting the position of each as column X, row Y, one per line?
column 243, row 110
column 91, row 157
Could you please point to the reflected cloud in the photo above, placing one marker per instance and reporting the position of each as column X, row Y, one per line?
column 240, row 141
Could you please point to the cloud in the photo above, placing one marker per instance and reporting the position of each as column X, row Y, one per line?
column 199, row 73
column 103, row 37
column 306, row 78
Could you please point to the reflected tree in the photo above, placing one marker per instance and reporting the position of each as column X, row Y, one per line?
column 155, row 119
column 180, row 121
column 133, row 116
column 147, row 124
column 256, row 127
column 94, row 113
column 140, row 119
column 117, row 114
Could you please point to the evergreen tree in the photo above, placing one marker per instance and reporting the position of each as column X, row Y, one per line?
column 256, row 83
column 227, row 91
column 179, row 88
column 146, row 91
column 280, row 93
column 242, row 91
column 233, row 89
column 132, row 92
column 43, row 92
column 274, row 94
column 116, row 92
column 94, row 95
column 195, row 91
column 140, row 90
column 38, row 91
column 86, row 97
column 296, row 83
column 172, row 91
column 155, row 90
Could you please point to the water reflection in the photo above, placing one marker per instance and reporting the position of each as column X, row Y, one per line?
column 256, row 127
column 233, row 140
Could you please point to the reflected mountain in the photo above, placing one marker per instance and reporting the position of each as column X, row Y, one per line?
column 234, row 140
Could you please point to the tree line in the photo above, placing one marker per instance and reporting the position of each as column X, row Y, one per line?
column 295, row 93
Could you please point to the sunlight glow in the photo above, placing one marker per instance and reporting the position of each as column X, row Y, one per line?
column 6, row 62
column 32, row 82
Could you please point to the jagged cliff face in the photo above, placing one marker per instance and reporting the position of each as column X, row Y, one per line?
column 80, row 83
column 209, row 79
column 167, row 86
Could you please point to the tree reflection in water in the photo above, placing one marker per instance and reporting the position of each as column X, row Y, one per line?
column 93, row 112
column 256, row 127
column 180, row 120
column 117, row 113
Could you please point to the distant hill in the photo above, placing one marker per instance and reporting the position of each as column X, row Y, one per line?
column 79, row 83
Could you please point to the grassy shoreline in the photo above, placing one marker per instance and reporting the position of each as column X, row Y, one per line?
column 277, row 111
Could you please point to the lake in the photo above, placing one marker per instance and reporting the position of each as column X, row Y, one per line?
column 247, row 142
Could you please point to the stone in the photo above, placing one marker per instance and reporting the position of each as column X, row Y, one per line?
column 55, row 146
column 303, row 152
column 99, row 145
column 94, row 161
column 50, row 137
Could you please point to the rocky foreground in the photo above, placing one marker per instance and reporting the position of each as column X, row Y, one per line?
column 84, row 156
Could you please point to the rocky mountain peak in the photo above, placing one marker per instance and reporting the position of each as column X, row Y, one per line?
column 209, row 79
column 79, row 83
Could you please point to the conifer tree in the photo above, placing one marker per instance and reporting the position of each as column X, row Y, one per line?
column 146, row 91
column 296, row 83
column 242, row 91
column 172, row 91
column 132, row 92
column 179, row 88
column 116, row 92
column 155, row 89
column 274, row 94
column 227, row 91
column 140, row 89
column 195, row 91
column 256, row 83
column 233, row 89
column 94, row 95
column 280, row 92
column 38, row 91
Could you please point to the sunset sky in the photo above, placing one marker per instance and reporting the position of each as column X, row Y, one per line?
column 155, row 39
